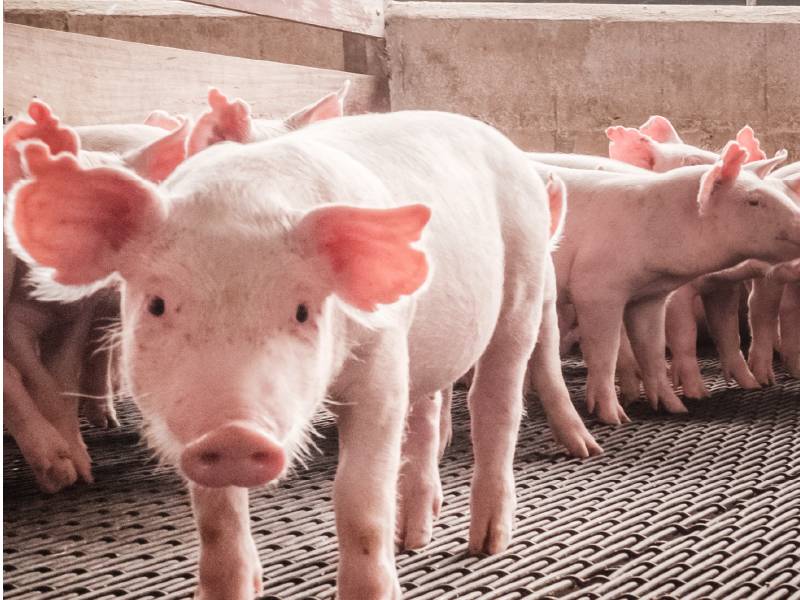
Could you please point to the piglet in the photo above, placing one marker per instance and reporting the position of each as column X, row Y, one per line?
column 259, row 279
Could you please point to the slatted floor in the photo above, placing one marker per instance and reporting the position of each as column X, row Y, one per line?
column 703, row 506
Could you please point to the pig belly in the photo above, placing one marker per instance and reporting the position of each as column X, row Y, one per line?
column 456, row 315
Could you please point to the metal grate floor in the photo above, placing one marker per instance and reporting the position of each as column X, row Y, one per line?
column 704, row 506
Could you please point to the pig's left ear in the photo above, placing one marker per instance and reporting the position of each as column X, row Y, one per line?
column 158, row 159
column 631, row 146
column 723, row 172
column 764, row 167
column 78, row 222
column 163, row 120
column 793, row 183
column 224, row 121
column 327, row 107
column 661, row 130
column 366, row 253
column 747, row 139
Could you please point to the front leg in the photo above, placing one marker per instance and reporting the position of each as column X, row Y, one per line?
column 374, row 387
column 790, row 328
column 681, row 336
column 644, row 321
column 764, row 305
column 600, row 322
column 229, row 565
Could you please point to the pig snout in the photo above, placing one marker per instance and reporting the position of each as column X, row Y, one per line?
column 237, row 454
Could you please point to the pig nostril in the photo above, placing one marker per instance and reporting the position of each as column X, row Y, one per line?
column 210, row 458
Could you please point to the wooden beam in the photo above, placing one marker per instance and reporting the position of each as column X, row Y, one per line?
column 357, row 16
column 88, row 79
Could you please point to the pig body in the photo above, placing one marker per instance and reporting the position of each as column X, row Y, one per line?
column 584, row 161
column 629, row 240
column 245, row 233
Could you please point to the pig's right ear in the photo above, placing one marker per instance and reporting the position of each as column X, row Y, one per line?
column 157, row 160
column 224, row 121
column 631, row 146
column 765, row 166
column 163, row 120
column 44, row 126
column 78, row 222
column 327, row 107
column 747, row 139
column 661, row 130
column 366, row 253
column 722, row 173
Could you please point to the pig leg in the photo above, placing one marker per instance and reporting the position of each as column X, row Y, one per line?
column 23, row 332
column 645, row 324
column 446, row 421
column 97, row 379
column 764, row 306
column 600, row 323
column 229, row 565
column 371, row 427
column 548, row 382
column 420, row 489
column 495, row 404
column 42, row 446
column 628, row 374
column 681, row 336
column 790, row 328
column 722, row 314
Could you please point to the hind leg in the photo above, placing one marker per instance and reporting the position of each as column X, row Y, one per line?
column 764, row 307
column 495, row 404
column 790, row 328
column 97, row 379
column 681, row 336
column 628, row 372
column 548, row 382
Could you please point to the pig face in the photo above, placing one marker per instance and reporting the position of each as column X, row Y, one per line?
column 756, row 216
column 233, row 310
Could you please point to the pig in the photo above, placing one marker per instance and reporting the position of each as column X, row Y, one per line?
column 720, row 292
column 627, row 270
column 227, row 120
column 249, row 293
column 46, row 341
column 583, row 161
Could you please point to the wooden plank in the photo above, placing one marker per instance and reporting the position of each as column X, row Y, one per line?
column 88, row 79
column 357, row 16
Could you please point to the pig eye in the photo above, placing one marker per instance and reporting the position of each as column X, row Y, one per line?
column 156, row 306
column 753, row 202
column 302, row 313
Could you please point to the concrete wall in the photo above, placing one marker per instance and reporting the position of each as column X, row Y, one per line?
column 554, row 76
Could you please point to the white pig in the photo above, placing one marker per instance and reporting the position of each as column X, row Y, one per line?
column 249, row 294
column 629, row 240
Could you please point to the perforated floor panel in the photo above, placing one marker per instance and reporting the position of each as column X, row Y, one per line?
column 702, row 506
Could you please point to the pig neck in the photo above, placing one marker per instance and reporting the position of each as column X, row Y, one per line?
column 684, row 243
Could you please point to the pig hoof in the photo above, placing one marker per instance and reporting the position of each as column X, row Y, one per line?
column 570, row 432
column 687, row 375
column 55, row 472
column 672, row 403
column 100, row 413
column 420, row 505
column 492, row 515
column 793, row 366
column 612, row 413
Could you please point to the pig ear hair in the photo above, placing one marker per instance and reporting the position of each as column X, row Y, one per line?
column 367, row 252
column 224, row 121
column 724, row 171
column 44, row 126
column 557, row 196
column 661, row 130
column 77, row 221
column 631, row 146
column 157, row 160
column 330, row 106
column 764, row 167
column 748, row 140
column 164, row 120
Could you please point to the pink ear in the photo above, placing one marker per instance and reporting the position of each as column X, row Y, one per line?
column 793, row 183
column 327, row 107
column 631, row 146
column 748, row 140
column 160, row 158
column 723, row 172
column 368, row 250
column 77, row 220
column 661, row 130
column 557, row 196
column 164, row 120
column 45, row 127
column 225, row 121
